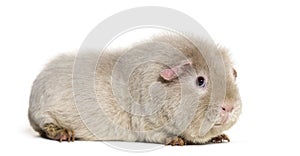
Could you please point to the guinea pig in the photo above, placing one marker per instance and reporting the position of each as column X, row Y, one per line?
column 170, row 89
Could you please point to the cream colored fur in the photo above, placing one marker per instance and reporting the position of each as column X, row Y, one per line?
column 52, row 98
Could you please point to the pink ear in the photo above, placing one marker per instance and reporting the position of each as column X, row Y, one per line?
column 168, row 74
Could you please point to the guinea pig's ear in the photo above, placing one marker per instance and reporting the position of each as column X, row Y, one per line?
column 173, row 72
column 234, row 73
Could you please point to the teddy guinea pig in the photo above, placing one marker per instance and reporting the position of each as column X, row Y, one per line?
column 170, row 89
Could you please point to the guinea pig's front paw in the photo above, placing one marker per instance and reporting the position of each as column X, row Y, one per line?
column 219, row 139
column 175, row 141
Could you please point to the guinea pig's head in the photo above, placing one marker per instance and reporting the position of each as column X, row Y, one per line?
column 213, row 114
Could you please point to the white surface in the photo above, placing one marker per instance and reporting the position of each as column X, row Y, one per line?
column 263, row 38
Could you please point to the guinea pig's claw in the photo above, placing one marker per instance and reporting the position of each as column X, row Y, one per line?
column 175, row 141
column 219, row 139
column 65, row 135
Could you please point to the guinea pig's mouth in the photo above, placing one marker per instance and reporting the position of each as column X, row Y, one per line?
column 218, row 125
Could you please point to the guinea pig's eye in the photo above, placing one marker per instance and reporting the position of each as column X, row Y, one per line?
column 200, row 81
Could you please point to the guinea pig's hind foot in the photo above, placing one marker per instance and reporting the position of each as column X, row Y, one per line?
column 219, row 139
column 175, row 141
column 55, row 132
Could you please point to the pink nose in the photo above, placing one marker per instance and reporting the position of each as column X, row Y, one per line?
column 226, row 108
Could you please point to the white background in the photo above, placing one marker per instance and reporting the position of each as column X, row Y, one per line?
column 263, row 37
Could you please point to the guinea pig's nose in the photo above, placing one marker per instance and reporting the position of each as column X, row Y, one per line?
column 227, row 108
